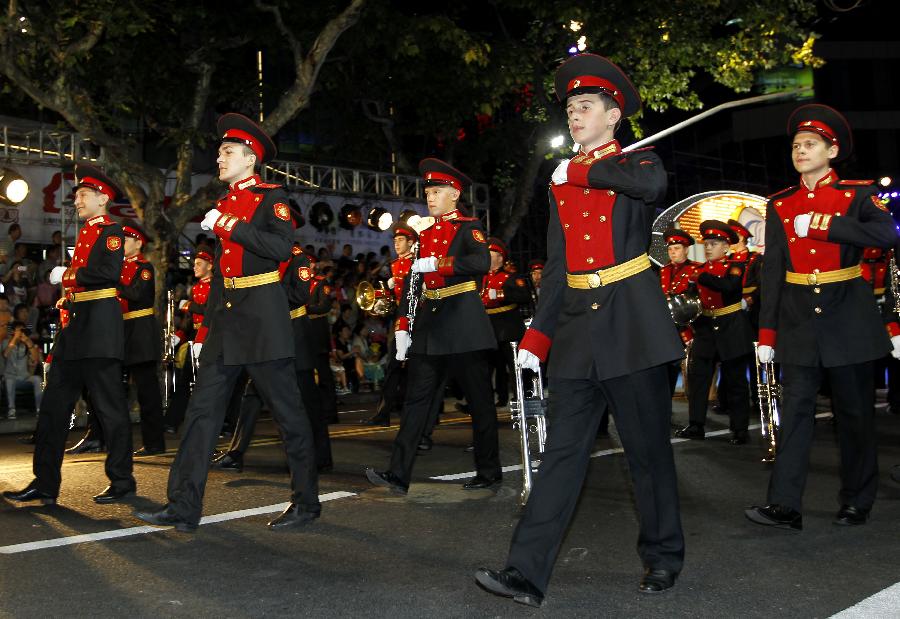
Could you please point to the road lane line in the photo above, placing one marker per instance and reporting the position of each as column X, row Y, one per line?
column 143, row 530
column 885, row 603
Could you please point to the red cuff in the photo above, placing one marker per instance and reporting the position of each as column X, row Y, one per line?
column 445, row 266
column 687, row 334
column 401, row 324
column 537, row 343
column 893, row 329
column 225, row 225
column 180, row 335
column 577, row 174
column 69, row 279
column 201, row 335
column 767, row 337
column 818, row 234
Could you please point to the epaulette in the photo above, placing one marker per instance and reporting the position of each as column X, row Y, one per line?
column 844, row 181
column 106, row 224
column 638, row 150
column 459, row 220
column 782, row 192
column 265, row 186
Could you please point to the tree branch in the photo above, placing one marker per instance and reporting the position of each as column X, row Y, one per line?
column 290, row 39
column 307, row 69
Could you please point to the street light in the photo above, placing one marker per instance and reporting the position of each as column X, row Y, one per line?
column 885, row 181
column 13, row 187
column 557, row 141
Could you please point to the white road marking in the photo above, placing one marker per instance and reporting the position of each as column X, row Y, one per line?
column 884, row 604
column 143, row 530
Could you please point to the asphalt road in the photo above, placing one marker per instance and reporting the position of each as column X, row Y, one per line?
column 373, row 554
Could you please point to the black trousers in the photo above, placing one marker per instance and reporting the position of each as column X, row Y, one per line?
column 852, row 393
column 893, row 381
column 427, row 375
column 327, row 396
column 277, row 384
column 500, row 361
column 642, row 409
column 103, row 379
column 145, row 377
column 252, row 406
column 393, row 391
column 178, row 400
column 734, row 375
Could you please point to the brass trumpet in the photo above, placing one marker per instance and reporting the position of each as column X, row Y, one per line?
column 375, row 301
column 769, row 396
column 530, row 419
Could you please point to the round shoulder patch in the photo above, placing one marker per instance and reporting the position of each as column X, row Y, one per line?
column 520, row 282
column 113, row 243
column 145, row 275
column 304, row 273
column 282, row 211
column 478, row 235
column 296, row 251
column 735, row 271
column 327, row 289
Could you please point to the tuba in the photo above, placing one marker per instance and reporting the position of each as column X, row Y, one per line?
column 374, row 301
column 769, row 392
column 529, row 416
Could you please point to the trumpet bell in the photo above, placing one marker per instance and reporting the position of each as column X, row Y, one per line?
column 365, row 296
column 684, row 308
column 374, row 301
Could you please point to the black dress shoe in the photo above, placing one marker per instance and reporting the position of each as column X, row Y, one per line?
column 150, row 451
column 387, row 479
column 719, row 410
column 738, row 437
column 425, row 444
column 377, row 420
column 166, row 518
column 850, row 516
column 693, row 431
column 170, row 430
column 229, row 461
column 478, row 482
column 656, row 581
column 28, row 439
column 469, row 449
column 294, row 516
column 509, row 583
column 776, row 516
column 29, row 493
column 113, row 495
column 86, row 446
column 325, row 467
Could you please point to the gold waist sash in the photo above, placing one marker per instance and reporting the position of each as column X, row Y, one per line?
column 607, row 276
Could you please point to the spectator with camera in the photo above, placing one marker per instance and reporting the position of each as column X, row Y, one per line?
column 22, row 357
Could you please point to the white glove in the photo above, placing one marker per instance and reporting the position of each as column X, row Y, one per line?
column 391, row 283
column 744, row 305
column 56, row 275
column 766, row 354
column 425, row 265
column 175, row 340
column 560, row 174
column 527, row 360
column 209, row 220
column 183, row 304
column 198, row 346
column 492, row 293
column 801, row 224
column 895, row 341
column 402, row 340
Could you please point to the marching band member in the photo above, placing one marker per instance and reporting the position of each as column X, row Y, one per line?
column 394, row 387
column 602, row 310
column 246, row 327
column 675, row 278
column 143, row 338
column 450, row 334
column 722, row 332
column 501, row 293
column 819, row 316
column 296, row 281
column 88, row 351
column 193, row 308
